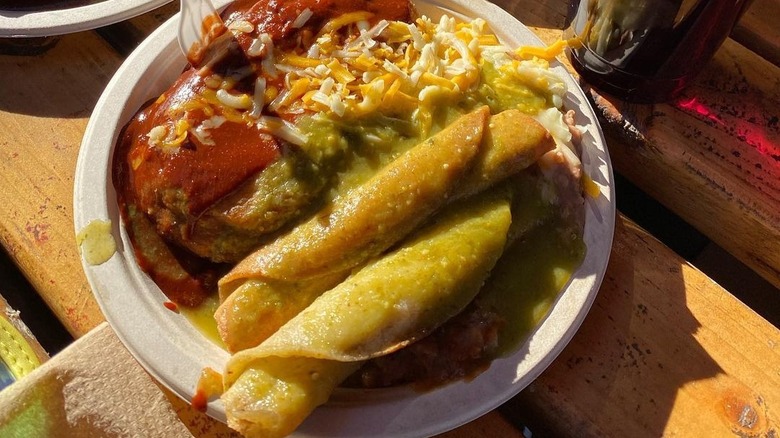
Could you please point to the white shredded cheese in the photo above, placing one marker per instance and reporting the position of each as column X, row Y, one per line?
column 258, row 102
column 157, row 135
column 406, row 68
column 256, row 49
column 417, row 38
column 241, row 101
column 269, row 62
column 282, row 129
column 203, row 135
column 241, row 26
column 302, row 18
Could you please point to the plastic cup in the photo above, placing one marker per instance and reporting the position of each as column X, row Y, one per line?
column 647, row 50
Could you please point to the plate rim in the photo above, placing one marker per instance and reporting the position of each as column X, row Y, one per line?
column 54, row 22
column 396, row 404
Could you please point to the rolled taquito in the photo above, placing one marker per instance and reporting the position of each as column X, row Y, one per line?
column 389, row 303
column 256, row 302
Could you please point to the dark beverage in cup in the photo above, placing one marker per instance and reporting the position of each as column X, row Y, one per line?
column 647, row 50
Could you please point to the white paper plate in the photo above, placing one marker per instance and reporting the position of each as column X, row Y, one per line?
column 44, row 22
column 171, row 349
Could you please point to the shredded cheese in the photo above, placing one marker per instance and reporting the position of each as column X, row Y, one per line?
column 302, row 18
column 241, row 26
column 391, row 66
column 353, row 69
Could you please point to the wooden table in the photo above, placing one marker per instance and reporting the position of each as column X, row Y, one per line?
column 665, row 349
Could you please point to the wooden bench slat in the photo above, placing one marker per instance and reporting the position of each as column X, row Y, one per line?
column 713, row 155
column 44, row 107
column 664, row 351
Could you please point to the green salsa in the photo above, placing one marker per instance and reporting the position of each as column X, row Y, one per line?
column 356, row 149
column 528, row 278
column 202, row 317
column 532, row 271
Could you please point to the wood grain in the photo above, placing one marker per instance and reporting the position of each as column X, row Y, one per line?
column 758, row 30
column 663, row 352
column 44, row 106
column 125, row 36
column 713, row 155
column 45, row 103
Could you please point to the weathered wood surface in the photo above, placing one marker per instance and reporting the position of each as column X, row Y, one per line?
column 664, row 351
column 712, row 155
column 45, row 102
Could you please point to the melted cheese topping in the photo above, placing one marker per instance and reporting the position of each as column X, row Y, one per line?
column 353, row 70
column 391, row 67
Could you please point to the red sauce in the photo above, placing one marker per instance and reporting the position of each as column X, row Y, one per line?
column 162, row 262
column 200, row 401
column 195, row 175
column 276, row 17
column 209, row 385
column 204, row 173
column 170, row 305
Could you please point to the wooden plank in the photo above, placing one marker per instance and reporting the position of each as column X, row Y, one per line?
column 43, row 118
column 491, row 424
column 125, row 36
column 44, row 106
column 663, row 352
column 713, row 155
